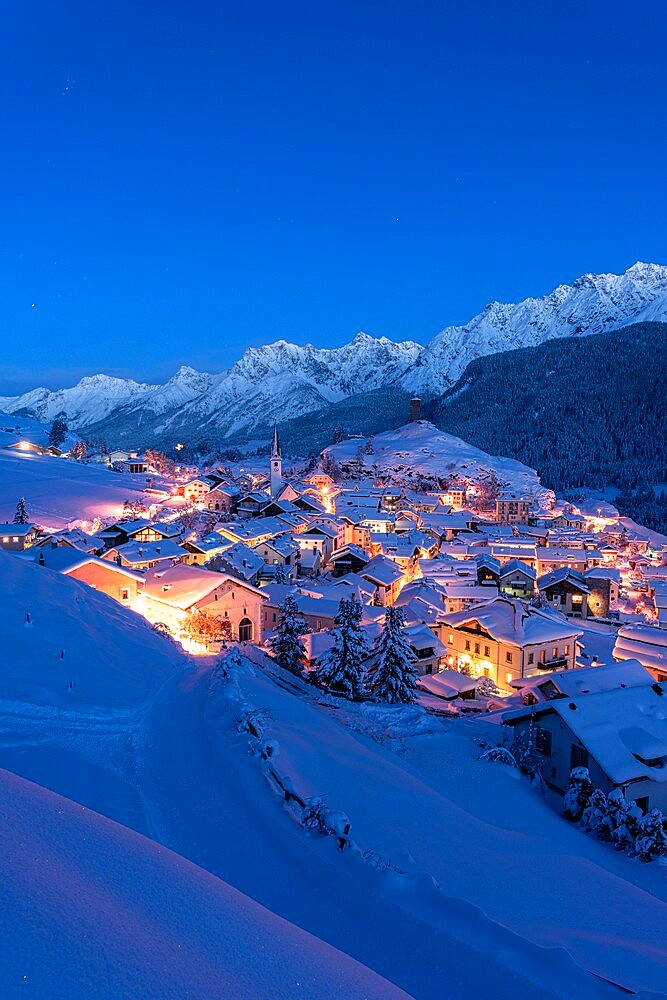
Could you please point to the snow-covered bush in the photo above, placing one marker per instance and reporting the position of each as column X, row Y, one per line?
column 595, row 812
column 486, row 687
column 499, row 755
column 320, row 821
column 626, row 819
column 651, row 840
column 578, row 794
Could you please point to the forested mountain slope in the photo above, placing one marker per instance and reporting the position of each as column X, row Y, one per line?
column 587, row 412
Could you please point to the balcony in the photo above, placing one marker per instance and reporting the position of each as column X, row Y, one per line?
column 556, row 663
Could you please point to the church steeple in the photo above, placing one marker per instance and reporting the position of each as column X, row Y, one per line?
column 275, row 447
column 276, row 463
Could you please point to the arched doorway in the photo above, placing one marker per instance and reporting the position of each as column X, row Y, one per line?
column 245, row 630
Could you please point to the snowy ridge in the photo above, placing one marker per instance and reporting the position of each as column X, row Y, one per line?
column 282, row 379
column 594, row 303
column 420, row 450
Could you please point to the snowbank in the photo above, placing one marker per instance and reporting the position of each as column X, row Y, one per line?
column 91, row 909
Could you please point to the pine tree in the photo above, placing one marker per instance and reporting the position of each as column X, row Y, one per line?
column 369, row 449
column 280, row 574
column 59, row 430
column 651, row 841
column 392, row 678
column 340, row 668
column 286, row 644
column 578, row 794
column 21, row 515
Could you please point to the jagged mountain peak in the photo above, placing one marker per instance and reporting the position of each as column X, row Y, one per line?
column 283, row 380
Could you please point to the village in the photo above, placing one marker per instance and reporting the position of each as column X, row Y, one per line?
column 504, row 605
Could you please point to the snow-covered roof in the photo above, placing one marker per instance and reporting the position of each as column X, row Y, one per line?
column 448, row 684
column 645, row 642
column 624, row 730
column 382, row 570
column 514, row 622
column 65, row 559
column 16, row 529
column 563, row 575
column 141, row 552
column 182, row 586
column 516, row 566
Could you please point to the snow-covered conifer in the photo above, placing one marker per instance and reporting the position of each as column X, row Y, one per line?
column 578, row 794
column 392, row 677
column 651, row 841
column 21, row 515
column 595, row 812
column 59, row 430
column 280, row 575
column 340, row 668
column 286, row 644
column 628, row 817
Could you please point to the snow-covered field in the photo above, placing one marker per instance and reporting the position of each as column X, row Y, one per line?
column 460, row 880
column 59, row 491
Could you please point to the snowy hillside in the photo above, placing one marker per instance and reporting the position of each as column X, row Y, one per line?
column 59, row 491
column 91, row 909
column 282, row 380
column 109, row 654
column 421, row 450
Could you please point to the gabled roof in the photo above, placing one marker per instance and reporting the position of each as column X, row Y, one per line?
column 563, row 575
column 182, row 586
column 16, row 529
column 516, row 566
column 382, row 570
column 514, row 622
column 64, row 559
column 623, row 729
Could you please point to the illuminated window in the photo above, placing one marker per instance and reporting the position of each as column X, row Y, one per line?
column 509, row 677
column 451, row 638
column 554, row 651
column 566, row 651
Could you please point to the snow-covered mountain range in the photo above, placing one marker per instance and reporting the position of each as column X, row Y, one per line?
column 282, row 380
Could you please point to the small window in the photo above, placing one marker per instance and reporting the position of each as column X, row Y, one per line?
column 468, row 645
column 543, row 741
column 451, row 639
column 578, row 756
column 554, row 652
column 477, row 649
column 487, row 652
column 566, row 651
column 531, row 657
column 508, row 657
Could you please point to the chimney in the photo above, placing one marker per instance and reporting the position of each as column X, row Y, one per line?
column 415, row 410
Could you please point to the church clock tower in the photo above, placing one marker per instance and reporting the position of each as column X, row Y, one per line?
column 276, row 463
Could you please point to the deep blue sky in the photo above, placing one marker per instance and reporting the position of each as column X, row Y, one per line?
column 182, row 180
